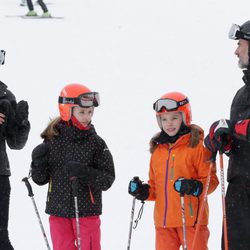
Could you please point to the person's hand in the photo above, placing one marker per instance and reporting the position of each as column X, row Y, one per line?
column 7, row 116
column 138, row 189
column 85, row 174
column 6, row 110
column 22, row 111
column 2, row 118
column 220, row 137
column 40, row 155
column 188, row 187
column 74, row 168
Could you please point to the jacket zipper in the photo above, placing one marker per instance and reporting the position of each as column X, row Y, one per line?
column 49, row 190
column 91, row 195
column 166, row 191
column 172, row 168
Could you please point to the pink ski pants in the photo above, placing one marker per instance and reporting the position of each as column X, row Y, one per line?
column 64, row 236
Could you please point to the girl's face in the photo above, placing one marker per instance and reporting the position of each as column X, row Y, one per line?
column 83, row 115
column 171, row 122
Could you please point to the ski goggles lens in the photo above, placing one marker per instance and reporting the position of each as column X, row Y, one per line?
column 235, row 33
column 2, row 57
column 91, row 99
column 168, row 104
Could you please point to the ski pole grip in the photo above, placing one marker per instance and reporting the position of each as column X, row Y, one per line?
column 74, row 181
column 26, row 181
column 182, row 194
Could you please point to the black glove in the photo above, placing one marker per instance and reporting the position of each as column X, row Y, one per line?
column 76, row 169
column 188, row 186
column 40, row 156
column 137, row 189
column 22, row 112
column 220, row 137
column 5, row 107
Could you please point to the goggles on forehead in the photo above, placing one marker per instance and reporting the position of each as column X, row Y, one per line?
column 168, row 104
column 91, row 99
column 235, row 33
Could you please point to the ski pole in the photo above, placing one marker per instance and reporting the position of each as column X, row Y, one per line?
column 183, row 221
column 203, row 204
column 131, row 223
column 31, row 195
column 223, row 201
column 75, row 188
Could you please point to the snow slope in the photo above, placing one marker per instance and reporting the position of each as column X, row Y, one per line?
column 132, row 52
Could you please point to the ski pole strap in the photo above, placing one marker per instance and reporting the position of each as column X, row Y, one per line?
column 30, row 191
column 139, row 215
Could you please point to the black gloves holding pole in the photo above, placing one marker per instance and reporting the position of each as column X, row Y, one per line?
column 188, row 187
column 86, row 174
column 221, row 134
column 138, row 189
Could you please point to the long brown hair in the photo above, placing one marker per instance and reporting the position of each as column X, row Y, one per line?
column 50, row 131
column 193, row 142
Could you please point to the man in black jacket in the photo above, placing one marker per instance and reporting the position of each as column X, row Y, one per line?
column 14, row 130
column 233, row 138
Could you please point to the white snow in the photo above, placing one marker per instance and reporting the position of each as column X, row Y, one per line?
column 132, row 52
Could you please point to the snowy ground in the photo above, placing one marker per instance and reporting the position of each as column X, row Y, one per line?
column 132, row 52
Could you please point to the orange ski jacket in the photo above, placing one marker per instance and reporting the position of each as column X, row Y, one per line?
column 169, row 163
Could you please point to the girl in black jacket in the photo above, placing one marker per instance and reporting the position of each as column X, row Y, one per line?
column 72, row 151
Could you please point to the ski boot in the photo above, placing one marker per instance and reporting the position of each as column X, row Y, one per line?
column 31, row 13
column 46, row 15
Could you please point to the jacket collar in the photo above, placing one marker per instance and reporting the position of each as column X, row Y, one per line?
column 165, row 138
column 184, row 138
column 74, row 132
column 3, row 89
column 246, row 77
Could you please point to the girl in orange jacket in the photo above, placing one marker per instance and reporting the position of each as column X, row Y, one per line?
column 179, row 165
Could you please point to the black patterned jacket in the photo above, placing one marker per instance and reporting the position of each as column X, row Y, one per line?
column 84, row 146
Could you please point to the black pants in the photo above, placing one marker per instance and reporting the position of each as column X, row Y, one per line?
column 40, row 2
column 4, row 213
column 238, row 217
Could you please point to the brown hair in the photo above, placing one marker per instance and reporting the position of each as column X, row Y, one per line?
column 193, row 142
column 50, row 131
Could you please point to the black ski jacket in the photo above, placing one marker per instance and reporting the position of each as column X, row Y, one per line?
column 239, row 161
column 86, row 147
column 15, row 134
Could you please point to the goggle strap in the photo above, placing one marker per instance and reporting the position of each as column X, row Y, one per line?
column 183, row 102
column 240, row 35
column 67, row 100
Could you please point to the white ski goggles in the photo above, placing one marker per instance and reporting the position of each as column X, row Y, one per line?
column 168, row 104
column 235, row 33
column 91, row 99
